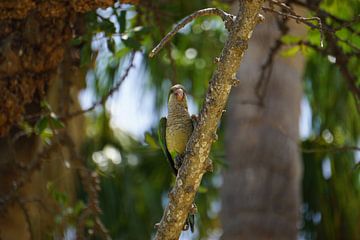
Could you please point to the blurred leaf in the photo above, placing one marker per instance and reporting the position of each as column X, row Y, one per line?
column 79, row 206
column 314, row 37
column 44, row 104
column 121, row 53
column 60, row 197
column 202, row 189
column 290, row 39
column 85, row 56
column 41, row 124
column 111, row 45
column 107, row 26
column 305, row 50
column 89, row 223
column 55, row 122
column 122, row 21
column 290, row 51
column 130, row 42
column 151, row 141
column 76, row 41
column 26, row 127
column 46, row 135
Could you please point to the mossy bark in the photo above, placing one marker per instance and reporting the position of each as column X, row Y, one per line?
column 36, row 63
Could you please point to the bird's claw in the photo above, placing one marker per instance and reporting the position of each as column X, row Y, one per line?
column 194, row 120
column 179, row 160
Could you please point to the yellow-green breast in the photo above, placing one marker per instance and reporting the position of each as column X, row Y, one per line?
column 178, row 127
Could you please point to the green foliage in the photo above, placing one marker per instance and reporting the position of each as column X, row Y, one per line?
column 45, row 126
column 329, row 203
column 337, row 123
column 331, row 186
column 290, row 52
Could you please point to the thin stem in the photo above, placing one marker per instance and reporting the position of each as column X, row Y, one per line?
column 203, row 12
column 332, row 149
column 109, row 94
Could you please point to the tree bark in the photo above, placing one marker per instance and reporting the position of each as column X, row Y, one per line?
column 261, row 191
column 35, row 64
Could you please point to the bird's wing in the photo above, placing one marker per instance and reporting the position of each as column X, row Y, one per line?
column 162, row 140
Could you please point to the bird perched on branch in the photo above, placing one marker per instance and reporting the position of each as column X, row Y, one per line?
column 174, row 133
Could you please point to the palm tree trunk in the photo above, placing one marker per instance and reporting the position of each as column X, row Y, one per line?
column 261, row 191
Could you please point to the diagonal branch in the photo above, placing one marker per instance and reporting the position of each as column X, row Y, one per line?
column 331, row 149
column 108, row 94
column 227, row 18
column 197, row 151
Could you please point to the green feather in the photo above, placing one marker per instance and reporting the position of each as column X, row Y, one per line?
column 191, row 222
column 162, row 140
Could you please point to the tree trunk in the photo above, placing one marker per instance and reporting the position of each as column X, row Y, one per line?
column 35, row 64
column 261, row 191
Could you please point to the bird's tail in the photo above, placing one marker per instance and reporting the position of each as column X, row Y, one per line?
column 190, row 223
column 191, row 220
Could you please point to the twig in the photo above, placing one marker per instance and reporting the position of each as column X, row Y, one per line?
column 95, row 104
column 322, row 13
column 196, row 160
column 348, row 24
column 321, row 27
column 266, row 68
column 24, row 176
column 80, row 225
column 91, row 183
column 332, row 38
column 227, row 18
column 109, row 94
column 342, row 62
column 332, row 149
column 27, row 218
column 305, row 20
column 283, row 5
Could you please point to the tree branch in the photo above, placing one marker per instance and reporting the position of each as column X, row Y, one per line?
column 332, row 149
column 321, row 13
column 108, row 94
column 203, row 12
column 196, row 157
column 305, row 20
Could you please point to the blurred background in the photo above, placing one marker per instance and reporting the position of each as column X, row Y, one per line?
column 83, row 161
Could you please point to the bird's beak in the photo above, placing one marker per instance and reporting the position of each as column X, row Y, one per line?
column 179, row 93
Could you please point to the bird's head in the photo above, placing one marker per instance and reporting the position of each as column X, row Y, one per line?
column 177, row 92
column 177, row 98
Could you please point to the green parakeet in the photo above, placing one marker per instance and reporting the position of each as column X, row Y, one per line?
column 174, row 133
